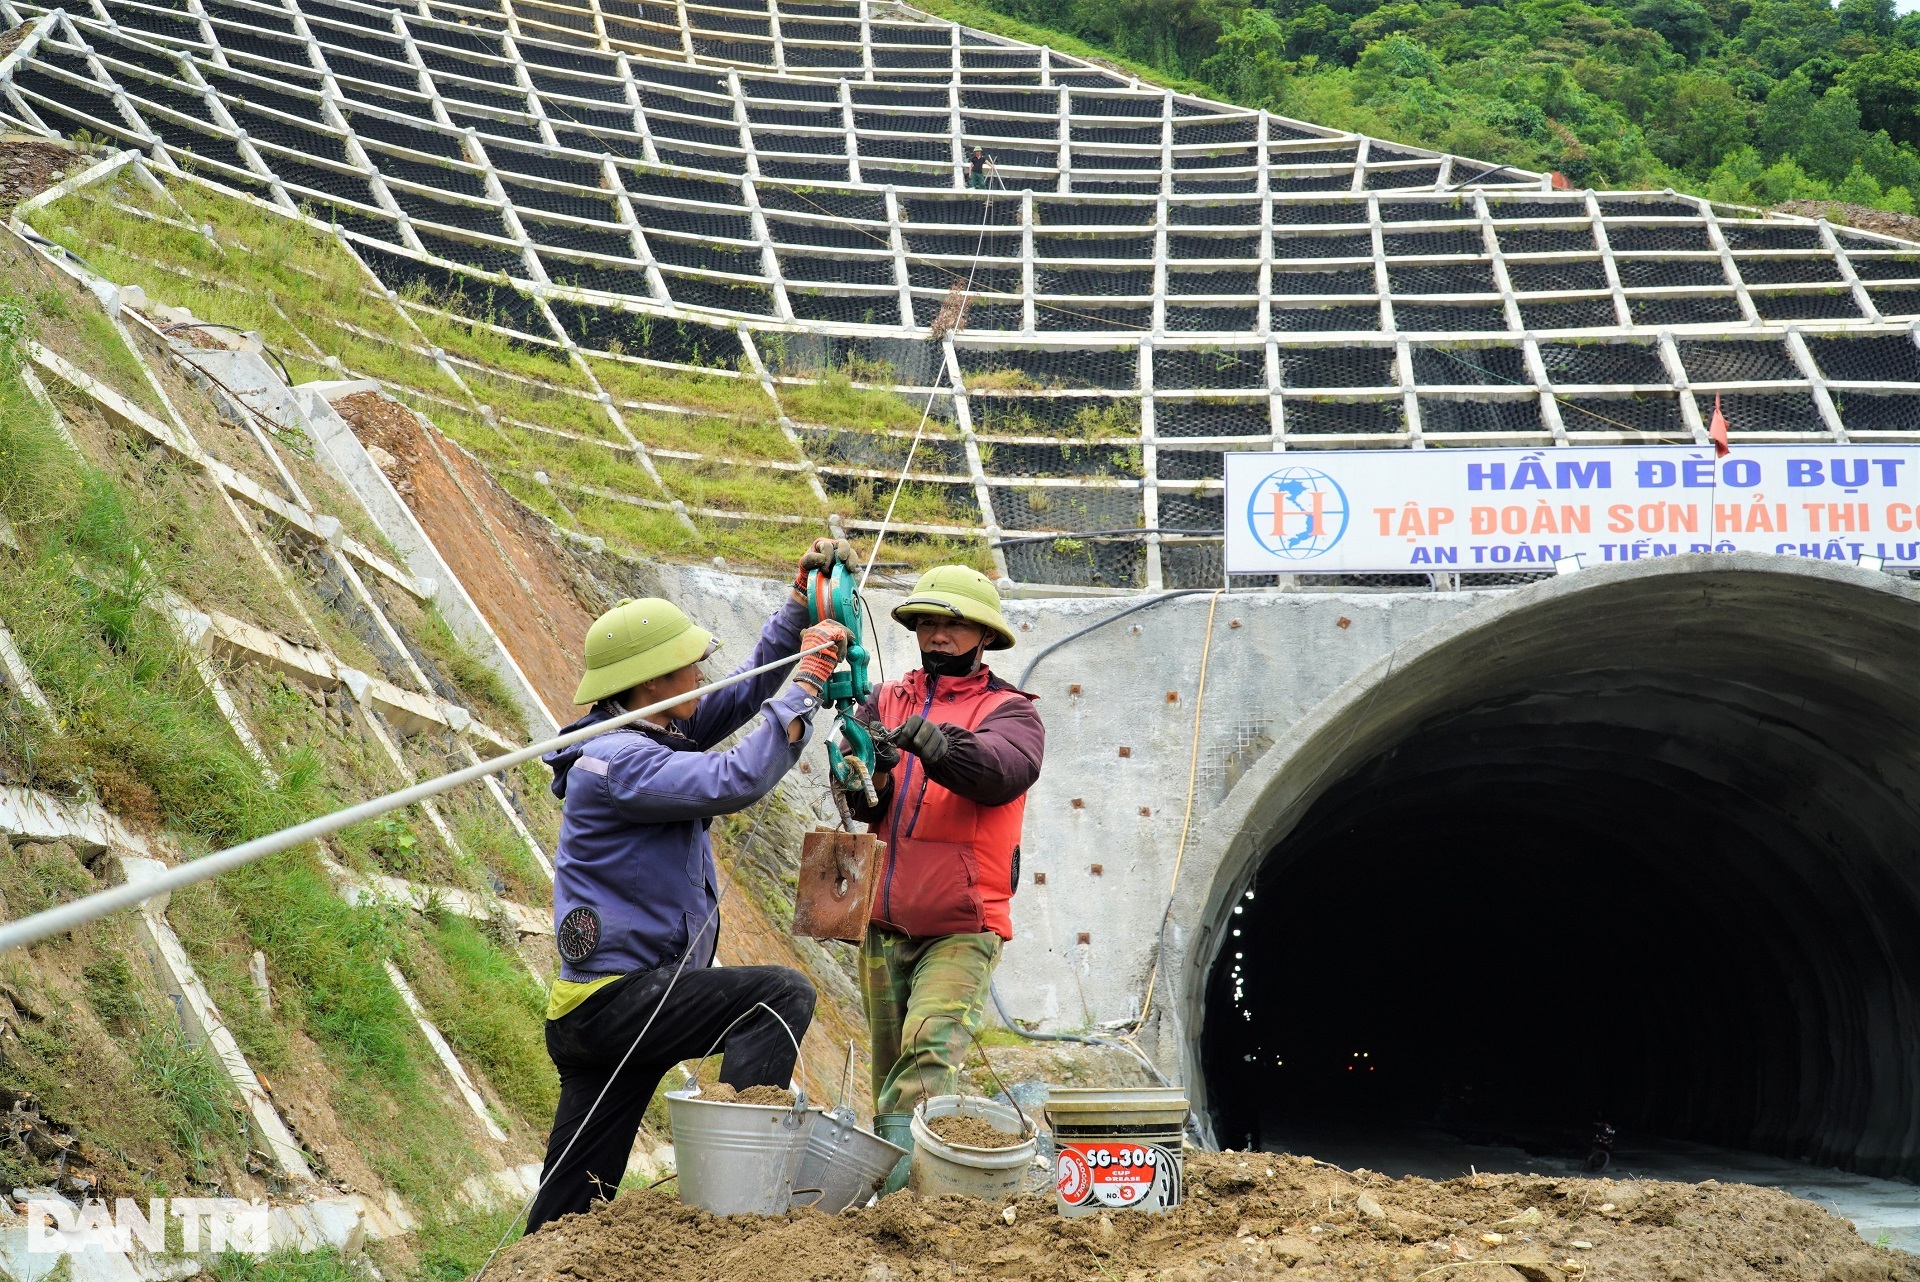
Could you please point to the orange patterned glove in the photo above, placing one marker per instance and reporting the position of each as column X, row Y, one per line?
column 815, row 669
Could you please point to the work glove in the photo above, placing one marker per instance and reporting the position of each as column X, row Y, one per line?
column 922, row 738
column 814, row 670
column 821, row 557
column 885, row 755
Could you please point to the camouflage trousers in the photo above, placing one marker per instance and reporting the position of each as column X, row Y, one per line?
column 924, row 999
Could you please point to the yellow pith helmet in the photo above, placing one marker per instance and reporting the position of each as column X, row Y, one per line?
column 637, row 641
column 957, row 592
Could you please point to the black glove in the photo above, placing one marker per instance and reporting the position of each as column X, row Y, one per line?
column 885, row 755
column 922, row 738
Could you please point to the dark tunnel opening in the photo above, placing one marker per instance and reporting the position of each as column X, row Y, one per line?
column 1679, row 896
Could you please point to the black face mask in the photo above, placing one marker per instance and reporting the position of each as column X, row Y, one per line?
column 950, row 665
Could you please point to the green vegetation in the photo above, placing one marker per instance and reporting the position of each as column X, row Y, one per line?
column 739, row 489
column 266, row 271
column 136, row 722
column 741, row 396
column 834, row 399
column 285, row 1266
column 99, row 1049
column 706, row 434
column 490, row 1009
column 1752, row 101
column 136, row 726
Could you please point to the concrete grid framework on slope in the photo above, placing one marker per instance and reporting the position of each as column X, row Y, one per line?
column 779, row 188
column 387, row 713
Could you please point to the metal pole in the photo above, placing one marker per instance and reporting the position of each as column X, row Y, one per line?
column 53, row 921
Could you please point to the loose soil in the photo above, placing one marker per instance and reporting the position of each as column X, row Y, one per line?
column 543, row 633
column 29, row 168
column 973, row 1132
column 1863, row 217
column 1246, row 1216
column 721, row 1093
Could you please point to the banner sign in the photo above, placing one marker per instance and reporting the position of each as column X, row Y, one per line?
column 1393, row 511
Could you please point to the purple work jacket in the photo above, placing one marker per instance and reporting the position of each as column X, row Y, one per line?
column 636, row 804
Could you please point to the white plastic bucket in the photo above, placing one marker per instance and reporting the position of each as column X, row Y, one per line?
column 736, row 1159
column 1117, row 1149
column 991, row 1173
column 842, row 1165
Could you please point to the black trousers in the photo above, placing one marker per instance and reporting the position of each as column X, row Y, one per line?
column 587, row 1043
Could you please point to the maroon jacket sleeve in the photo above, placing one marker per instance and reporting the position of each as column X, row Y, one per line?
column 997, row 762
column 989, row 766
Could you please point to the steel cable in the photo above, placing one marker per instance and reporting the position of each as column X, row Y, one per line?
column 53, row 921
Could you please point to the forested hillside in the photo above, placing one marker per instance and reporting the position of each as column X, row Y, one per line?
column 1757, row 101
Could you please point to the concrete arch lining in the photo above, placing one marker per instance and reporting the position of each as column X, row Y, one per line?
column 1764, row 712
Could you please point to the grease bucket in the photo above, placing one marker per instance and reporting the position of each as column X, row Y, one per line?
column 736, row 1159
column 842, row 1165
column 991, row 1173
column 1117, row 1149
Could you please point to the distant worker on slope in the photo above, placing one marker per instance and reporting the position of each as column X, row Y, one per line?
column 953, row 773
column 977, row 170
column 634, row 893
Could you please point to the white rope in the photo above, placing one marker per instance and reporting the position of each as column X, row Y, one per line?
column 53, row 921
column 901, row 484
column 979, row 246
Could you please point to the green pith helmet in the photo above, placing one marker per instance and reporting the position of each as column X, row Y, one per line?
column 957, row 592
column 637, row 641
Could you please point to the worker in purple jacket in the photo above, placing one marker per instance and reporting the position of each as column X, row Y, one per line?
column 635, row 900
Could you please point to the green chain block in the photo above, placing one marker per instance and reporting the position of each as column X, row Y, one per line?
column 837, row 597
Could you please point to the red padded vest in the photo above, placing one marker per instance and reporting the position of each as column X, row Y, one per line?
column 950, row 861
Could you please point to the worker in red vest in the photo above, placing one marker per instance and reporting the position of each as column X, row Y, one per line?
column 960, row 748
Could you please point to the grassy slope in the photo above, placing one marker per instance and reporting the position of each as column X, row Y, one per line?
column 283, row 270
column 102, row 534
column 335, row 1032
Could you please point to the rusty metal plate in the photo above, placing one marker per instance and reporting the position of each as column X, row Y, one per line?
column 835, row 894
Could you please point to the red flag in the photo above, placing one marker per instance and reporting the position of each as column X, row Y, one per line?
column 1717, row 429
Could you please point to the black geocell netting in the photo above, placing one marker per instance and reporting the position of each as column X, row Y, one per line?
column 1175, row 419
column 1649, row 416
column 679, row 164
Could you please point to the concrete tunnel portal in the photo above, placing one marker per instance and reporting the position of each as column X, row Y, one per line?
column 1640, row 844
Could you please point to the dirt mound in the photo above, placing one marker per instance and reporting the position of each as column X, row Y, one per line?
column 1864, row 217
column 973, row 1132
column 1246, row 1215
column 721, row 1093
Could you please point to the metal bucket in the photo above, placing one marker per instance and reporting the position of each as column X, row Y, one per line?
column 842, row 1164
column 736, row 1159
column 991, row 1173
column 1117, row 1148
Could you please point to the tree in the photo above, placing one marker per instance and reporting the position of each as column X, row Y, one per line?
column 1858, row 188
column 1822, row 133
column 1249, row 62
column 1732, row 180
column 1887, row 87
column 1784, row 34
column 1686, row 25
column 1699, row 123
column 1867, row 17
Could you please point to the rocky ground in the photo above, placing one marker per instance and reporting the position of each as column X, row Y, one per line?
column 28, row 168
column 1864, row 217
column 1246, row 1216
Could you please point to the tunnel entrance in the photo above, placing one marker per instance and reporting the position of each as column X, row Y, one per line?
column 1654, row 860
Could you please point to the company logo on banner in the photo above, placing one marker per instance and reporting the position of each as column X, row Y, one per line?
column 1297, row 513
column 1392, row 511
